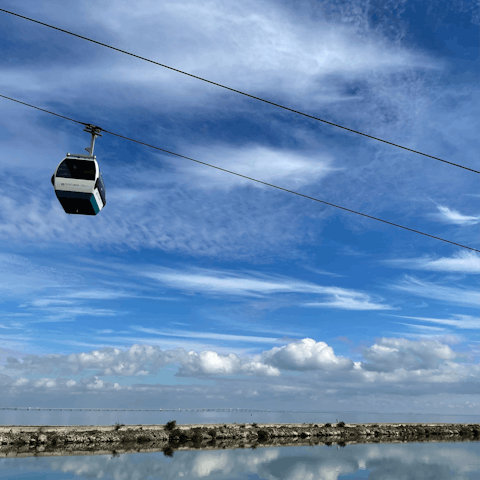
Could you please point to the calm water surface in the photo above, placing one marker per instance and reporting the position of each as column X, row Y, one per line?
column 414, row 461
column 42, row 417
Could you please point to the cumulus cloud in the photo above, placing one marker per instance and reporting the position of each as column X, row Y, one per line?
column 385, row 356
column 391, row 367
column 211, row 363
column 147, row 360
column 59, row 384
column 390, row 354
column 140, row 360
column 137, row 360
column 305, row 355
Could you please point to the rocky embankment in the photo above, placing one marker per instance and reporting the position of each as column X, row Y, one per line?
column 70, row 440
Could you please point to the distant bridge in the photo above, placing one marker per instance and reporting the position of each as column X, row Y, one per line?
column 229, row 410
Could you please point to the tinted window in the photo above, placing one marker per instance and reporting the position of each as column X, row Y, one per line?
column 101, row 188
column 79, row 169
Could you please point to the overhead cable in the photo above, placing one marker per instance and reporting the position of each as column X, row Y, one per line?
column 237, row 91
column 250, row 178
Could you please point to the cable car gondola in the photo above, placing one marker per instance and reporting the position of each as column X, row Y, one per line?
column 78, row 182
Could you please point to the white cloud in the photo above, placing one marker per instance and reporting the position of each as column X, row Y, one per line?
column 452, row 216
column 461, row 262
column 137, row 360
column 391, row 354
column 205, row 38
column 287, row 169
column 229, row 282
column 306, row 354
column 216, row 282
column 426, row 328
column 47, row 302
column 350, row 301
column 458, row 321
column 454, row 295
column 211, row 363
column 208, row 335
column 416, row 368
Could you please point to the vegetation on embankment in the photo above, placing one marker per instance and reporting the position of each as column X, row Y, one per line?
column 172, row 436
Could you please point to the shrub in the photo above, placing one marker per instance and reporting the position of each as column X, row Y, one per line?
column 118, row 425
column 143, row 439
column 168, row 451
column 171, row 425
column 197, row 436
column 254, row 425
column 328, row 425
column 263, row 435
column 341, row 424
column 20, row 441
column 178, row 433
column 212, row 433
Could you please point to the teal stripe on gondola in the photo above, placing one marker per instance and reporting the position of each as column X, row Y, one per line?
column 94, row 204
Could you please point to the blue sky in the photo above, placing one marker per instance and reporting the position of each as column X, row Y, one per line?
column 196, row 288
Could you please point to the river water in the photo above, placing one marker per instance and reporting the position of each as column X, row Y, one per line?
column 411, row 461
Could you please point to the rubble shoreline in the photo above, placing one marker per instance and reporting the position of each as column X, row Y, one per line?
column 47, row 440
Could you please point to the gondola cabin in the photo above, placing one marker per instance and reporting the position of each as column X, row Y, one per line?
column 79, row 185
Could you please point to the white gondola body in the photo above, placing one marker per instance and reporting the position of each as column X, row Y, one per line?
column 79, row 185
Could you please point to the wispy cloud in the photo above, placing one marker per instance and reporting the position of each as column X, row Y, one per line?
column 60, row 314
column 207, row 335
column 216, row 282
column 461, row 262
column 454, row 295
column 350, row 301
column 458, row 321
column 322, row 272
column 423, row 327
column 448, row 215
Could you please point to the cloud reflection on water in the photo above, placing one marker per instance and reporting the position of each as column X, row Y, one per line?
column 441, row 461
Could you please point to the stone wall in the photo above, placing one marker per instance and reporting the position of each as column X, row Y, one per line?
column 34, row 440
